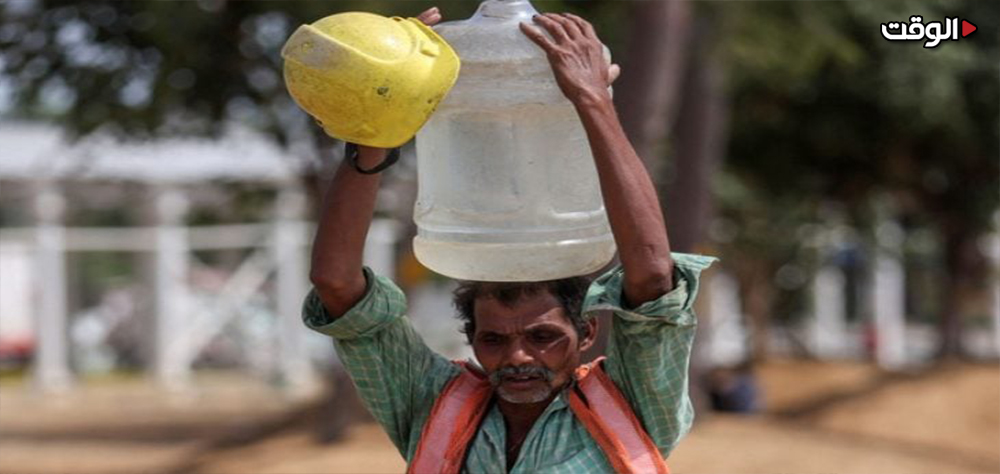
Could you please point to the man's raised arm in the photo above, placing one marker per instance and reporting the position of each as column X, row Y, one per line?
column 340, row 239
column 577, row 59
column 343, row 225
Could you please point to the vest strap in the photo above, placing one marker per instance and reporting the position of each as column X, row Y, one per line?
column 452, row 424
column 596, row 402
column 609, row 419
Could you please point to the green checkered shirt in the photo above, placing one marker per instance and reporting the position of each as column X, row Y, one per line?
column 399, row 377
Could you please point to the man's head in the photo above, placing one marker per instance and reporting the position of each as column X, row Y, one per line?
column 527, row 336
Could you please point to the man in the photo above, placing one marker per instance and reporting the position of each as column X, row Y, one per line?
column 527, row 337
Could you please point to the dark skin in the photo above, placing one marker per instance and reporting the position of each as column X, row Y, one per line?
column 534, row 331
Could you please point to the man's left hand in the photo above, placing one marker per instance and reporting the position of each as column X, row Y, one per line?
column 576, row 56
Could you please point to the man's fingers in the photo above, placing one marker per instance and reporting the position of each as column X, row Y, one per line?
column 430, row 17
column 431, row 20
column 583, row 25
column 552, row 26
column 428, row 12
column 613, row 72
column 536, row 35
column 572, row 29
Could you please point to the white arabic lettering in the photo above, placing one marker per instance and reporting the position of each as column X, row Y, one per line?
column 916, row 30
column 891, row 36
column 933, row 31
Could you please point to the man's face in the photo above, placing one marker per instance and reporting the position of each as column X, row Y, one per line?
column 529, row 350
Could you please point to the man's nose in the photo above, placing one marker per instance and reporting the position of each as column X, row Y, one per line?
column 518, row 355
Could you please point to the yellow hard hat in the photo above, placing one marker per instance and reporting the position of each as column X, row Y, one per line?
column 369, row 79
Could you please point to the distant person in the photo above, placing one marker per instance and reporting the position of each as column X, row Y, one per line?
column 734, row 389
column 528, row 406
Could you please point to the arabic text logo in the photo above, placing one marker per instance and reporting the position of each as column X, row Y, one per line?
column 934, row 32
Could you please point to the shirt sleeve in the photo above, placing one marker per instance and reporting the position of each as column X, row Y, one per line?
column 649, row 348
column 397, row 376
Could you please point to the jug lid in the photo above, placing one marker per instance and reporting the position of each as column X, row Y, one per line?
column 501, row 66
column 520, row 10
column 491, row 35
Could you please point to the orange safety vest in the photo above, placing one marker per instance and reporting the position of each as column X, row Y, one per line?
column 595, row 401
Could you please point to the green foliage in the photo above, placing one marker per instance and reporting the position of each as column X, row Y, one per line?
column 825, row 108
column 158, row 68
column 152, row 67
column 825, row 112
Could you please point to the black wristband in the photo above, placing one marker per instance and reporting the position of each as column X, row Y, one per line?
column 351, row 153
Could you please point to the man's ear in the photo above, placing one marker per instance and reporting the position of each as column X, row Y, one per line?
column 587, row 340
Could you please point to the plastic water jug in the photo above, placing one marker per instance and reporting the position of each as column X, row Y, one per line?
column 508, row 190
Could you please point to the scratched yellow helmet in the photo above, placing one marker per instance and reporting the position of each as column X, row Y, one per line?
column 369, row 79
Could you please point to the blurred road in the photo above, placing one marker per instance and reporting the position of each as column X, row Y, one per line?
column 819, row 417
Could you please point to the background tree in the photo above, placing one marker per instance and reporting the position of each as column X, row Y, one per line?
column 773, row 110
column 827, row 110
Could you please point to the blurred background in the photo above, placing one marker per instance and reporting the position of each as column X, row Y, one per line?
column 158, row 191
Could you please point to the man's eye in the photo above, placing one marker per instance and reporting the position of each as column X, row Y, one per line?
column 491, row 339
column 544, row 336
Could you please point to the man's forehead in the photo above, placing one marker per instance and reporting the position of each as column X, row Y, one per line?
column 541, row 307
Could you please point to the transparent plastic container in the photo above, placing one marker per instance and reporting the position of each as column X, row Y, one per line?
column 508, row 190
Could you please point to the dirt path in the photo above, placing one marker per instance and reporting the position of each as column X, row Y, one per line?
column 725, row 444
column 843, row 418
column 127, row 425
column 820, row 417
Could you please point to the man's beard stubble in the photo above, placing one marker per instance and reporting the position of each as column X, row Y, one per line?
column 533, row 396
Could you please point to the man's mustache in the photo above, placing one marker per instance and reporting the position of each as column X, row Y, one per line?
column 498, row 375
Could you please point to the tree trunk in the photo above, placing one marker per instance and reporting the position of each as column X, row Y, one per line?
column 699, row 146
column 961, row 262
column 652, row 72
column 661, row 81
column 757, row 293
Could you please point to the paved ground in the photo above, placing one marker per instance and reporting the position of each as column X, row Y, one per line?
column 125, row 425
column 844, row 418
